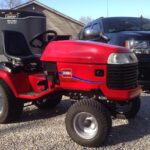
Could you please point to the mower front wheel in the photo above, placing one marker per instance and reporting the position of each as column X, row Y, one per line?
column 127, row 110
column 49, row 102
column 88, row 123
column 10, row 107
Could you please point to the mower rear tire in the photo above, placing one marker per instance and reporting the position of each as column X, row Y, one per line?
column 88, row 123
column 10, row 107
column 131, row 110
column 49, row 102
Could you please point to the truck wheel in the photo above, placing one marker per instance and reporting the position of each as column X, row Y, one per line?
column 49, row 102
column 10, row 107
column 88, row 123
column 129, row 110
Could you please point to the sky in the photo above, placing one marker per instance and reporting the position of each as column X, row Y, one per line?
column 98, row 8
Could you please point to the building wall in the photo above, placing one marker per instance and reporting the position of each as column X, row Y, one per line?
column 61, row 25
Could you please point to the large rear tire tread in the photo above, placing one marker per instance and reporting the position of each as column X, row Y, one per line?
column 13, row 107
column 102, row 116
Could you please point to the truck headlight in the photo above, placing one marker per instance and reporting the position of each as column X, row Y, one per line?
column 138, row 46
column 122, row 58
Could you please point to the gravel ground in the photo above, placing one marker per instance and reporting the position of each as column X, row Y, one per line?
column 45, row 130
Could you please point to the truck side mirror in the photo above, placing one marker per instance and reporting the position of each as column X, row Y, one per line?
column 91, row 34
column 104, row 37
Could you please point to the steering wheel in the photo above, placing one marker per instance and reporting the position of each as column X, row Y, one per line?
column 40, row 40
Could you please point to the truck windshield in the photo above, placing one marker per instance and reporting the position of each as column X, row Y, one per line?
column 125, row 24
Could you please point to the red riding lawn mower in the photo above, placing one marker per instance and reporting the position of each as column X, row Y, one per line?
column 101, row 78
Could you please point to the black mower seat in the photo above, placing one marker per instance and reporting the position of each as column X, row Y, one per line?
column 16, row 47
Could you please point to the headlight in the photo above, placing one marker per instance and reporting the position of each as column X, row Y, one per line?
column 138, row 46
column 122, row 58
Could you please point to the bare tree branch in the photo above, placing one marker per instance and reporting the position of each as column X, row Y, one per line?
column 85, row 19
column 10, row 3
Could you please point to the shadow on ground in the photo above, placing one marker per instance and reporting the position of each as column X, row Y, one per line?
column 32, row 113
column 136, row 128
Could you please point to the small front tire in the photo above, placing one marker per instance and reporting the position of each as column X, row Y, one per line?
column 88, row 123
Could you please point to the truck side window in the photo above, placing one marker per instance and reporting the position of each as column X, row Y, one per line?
column 96, row 27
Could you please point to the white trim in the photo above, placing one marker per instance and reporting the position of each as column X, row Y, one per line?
column 48, row 8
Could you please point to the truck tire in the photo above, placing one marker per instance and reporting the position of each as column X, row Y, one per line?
column 10, row 107
column 49, row 102
column 130, row 111
column 88, row 123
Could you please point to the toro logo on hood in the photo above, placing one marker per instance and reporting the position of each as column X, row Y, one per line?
column 67, row 73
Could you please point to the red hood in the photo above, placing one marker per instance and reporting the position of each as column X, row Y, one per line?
column 80, row 52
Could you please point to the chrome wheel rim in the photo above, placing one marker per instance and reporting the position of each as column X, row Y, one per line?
column 1, row 103
column 85, row 125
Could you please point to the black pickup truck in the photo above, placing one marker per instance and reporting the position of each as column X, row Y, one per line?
column 130, row 32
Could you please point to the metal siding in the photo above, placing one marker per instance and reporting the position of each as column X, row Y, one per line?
column 61, row 25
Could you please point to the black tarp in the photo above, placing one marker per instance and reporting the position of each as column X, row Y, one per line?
column 28, row 23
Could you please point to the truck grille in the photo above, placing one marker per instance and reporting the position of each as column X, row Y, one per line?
column 122, row 77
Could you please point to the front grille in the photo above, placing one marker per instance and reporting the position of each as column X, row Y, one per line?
column 122, row 77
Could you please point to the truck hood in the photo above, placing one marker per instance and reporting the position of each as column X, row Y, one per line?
column 80, row 52
column 119, row 38
column 137, row 33
column 142, row 34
